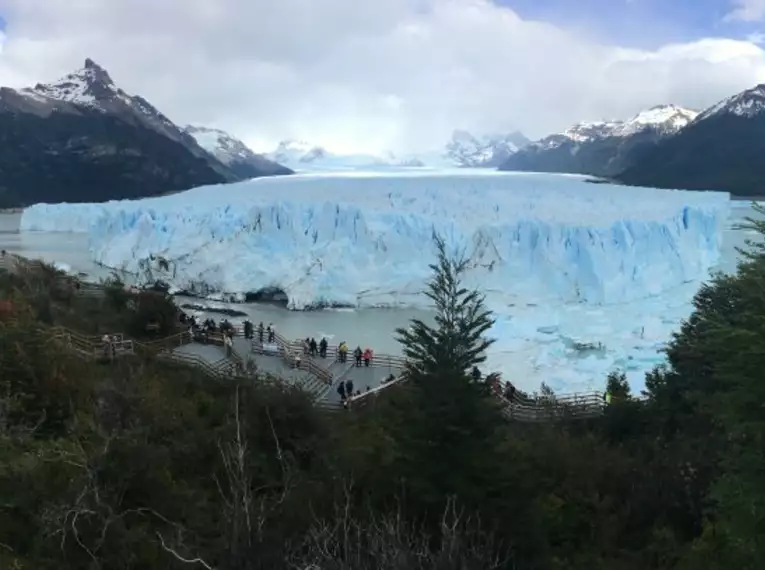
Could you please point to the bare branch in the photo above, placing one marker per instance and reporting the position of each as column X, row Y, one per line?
column 181, row 558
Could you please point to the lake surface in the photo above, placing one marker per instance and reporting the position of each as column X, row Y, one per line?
column 533, row 345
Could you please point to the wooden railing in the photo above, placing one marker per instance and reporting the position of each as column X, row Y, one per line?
column 545, row 409
column 287, row 351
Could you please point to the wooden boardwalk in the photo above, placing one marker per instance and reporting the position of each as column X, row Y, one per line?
column 316, row 375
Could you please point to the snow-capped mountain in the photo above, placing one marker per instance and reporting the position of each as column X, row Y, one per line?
column 91, row 87
column 303, row 156
column 747, row 104
column 488, row 151
column 234, row 153
column 82, row 138
column 462, row 150
column 602, row 148
column 721, row 149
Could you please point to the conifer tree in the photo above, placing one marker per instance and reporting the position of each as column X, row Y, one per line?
column 456, row 343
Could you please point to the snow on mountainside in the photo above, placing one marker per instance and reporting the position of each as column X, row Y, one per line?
column 666, row 119
column 234, row 153
column 462, row 150
column 749, row 103
column 92, row 87
column 82, row 138
column 602, row 148
column 302, row 156
column 488, row 151
column 721, row 149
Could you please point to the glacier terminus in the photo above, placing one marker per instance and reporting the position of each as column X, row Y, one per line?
column 535, row 242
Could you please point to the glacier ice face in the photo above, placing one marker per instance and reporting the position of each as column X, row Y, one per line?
column 365, row 239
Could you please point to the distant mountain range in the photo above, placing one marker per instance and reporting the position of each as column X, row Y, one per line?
column 600, row 148
column 667, row 146
column 722, row 149
column 83, row 139
column 462, row 150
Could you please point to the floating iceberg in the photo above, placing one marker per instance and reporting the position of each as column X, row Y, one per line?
column 365, row 239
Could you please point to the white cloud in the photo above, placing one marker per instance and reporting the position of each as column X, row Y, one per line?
column 746, row 11
column 397, row 74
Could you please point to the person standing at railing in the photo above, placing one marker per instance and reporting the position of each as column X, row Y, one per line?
column 323, row 348
column 357, row 356
column 271, row 333
column 342, row 352
column 367, row 356
column 312, row 347
column 260, row 332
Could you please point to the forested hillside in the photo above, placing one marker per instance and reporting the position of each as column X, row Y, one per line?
column 140, row 464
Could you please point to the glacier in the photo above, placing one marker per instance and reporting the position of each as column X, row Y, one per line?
column 364, row 239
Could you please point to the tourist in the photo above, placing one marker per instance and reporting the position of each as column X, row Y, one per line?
column 509, row 391
column 341, row 390
column 476, row 374
column 247, row 329
column 349, row 388
column 342, row 352
column 260, row 332
column 357, row 355
column 367, row 356
column 323, row 348
column 107, row 342
column 271, row 333
column 312, row 347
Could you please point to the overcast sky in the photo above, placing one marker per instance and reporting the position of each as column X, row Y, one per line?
column 393, row 74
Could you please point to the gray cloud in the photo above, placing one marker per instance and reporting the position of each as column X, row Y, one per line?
column 398, row 74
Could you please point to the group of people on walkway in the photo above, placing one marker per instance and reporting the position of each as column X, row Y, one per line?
column 504, row 390
column 345, row 389
column 359, row 355
column 312, row 348
column 265, row 334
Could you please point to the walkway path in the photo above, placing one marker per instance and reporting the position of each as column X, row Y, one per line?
column 318, row 376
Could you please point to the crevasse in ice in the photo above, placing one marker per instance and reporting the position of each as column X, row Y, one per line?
column 366, row 239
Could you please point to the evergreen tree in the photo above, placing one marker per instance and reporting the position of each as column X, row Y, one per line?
column 457, row 342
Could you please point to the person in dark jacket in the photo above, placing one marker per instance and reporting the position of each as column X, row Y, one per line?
column 357, row 355
column 349, row 388
column 476, row 374
column 323, row 348
column 312, row 347
column 341, row 390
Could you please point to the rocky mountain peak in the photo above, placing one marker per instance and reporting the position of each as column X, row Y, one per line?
column 87, row 86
